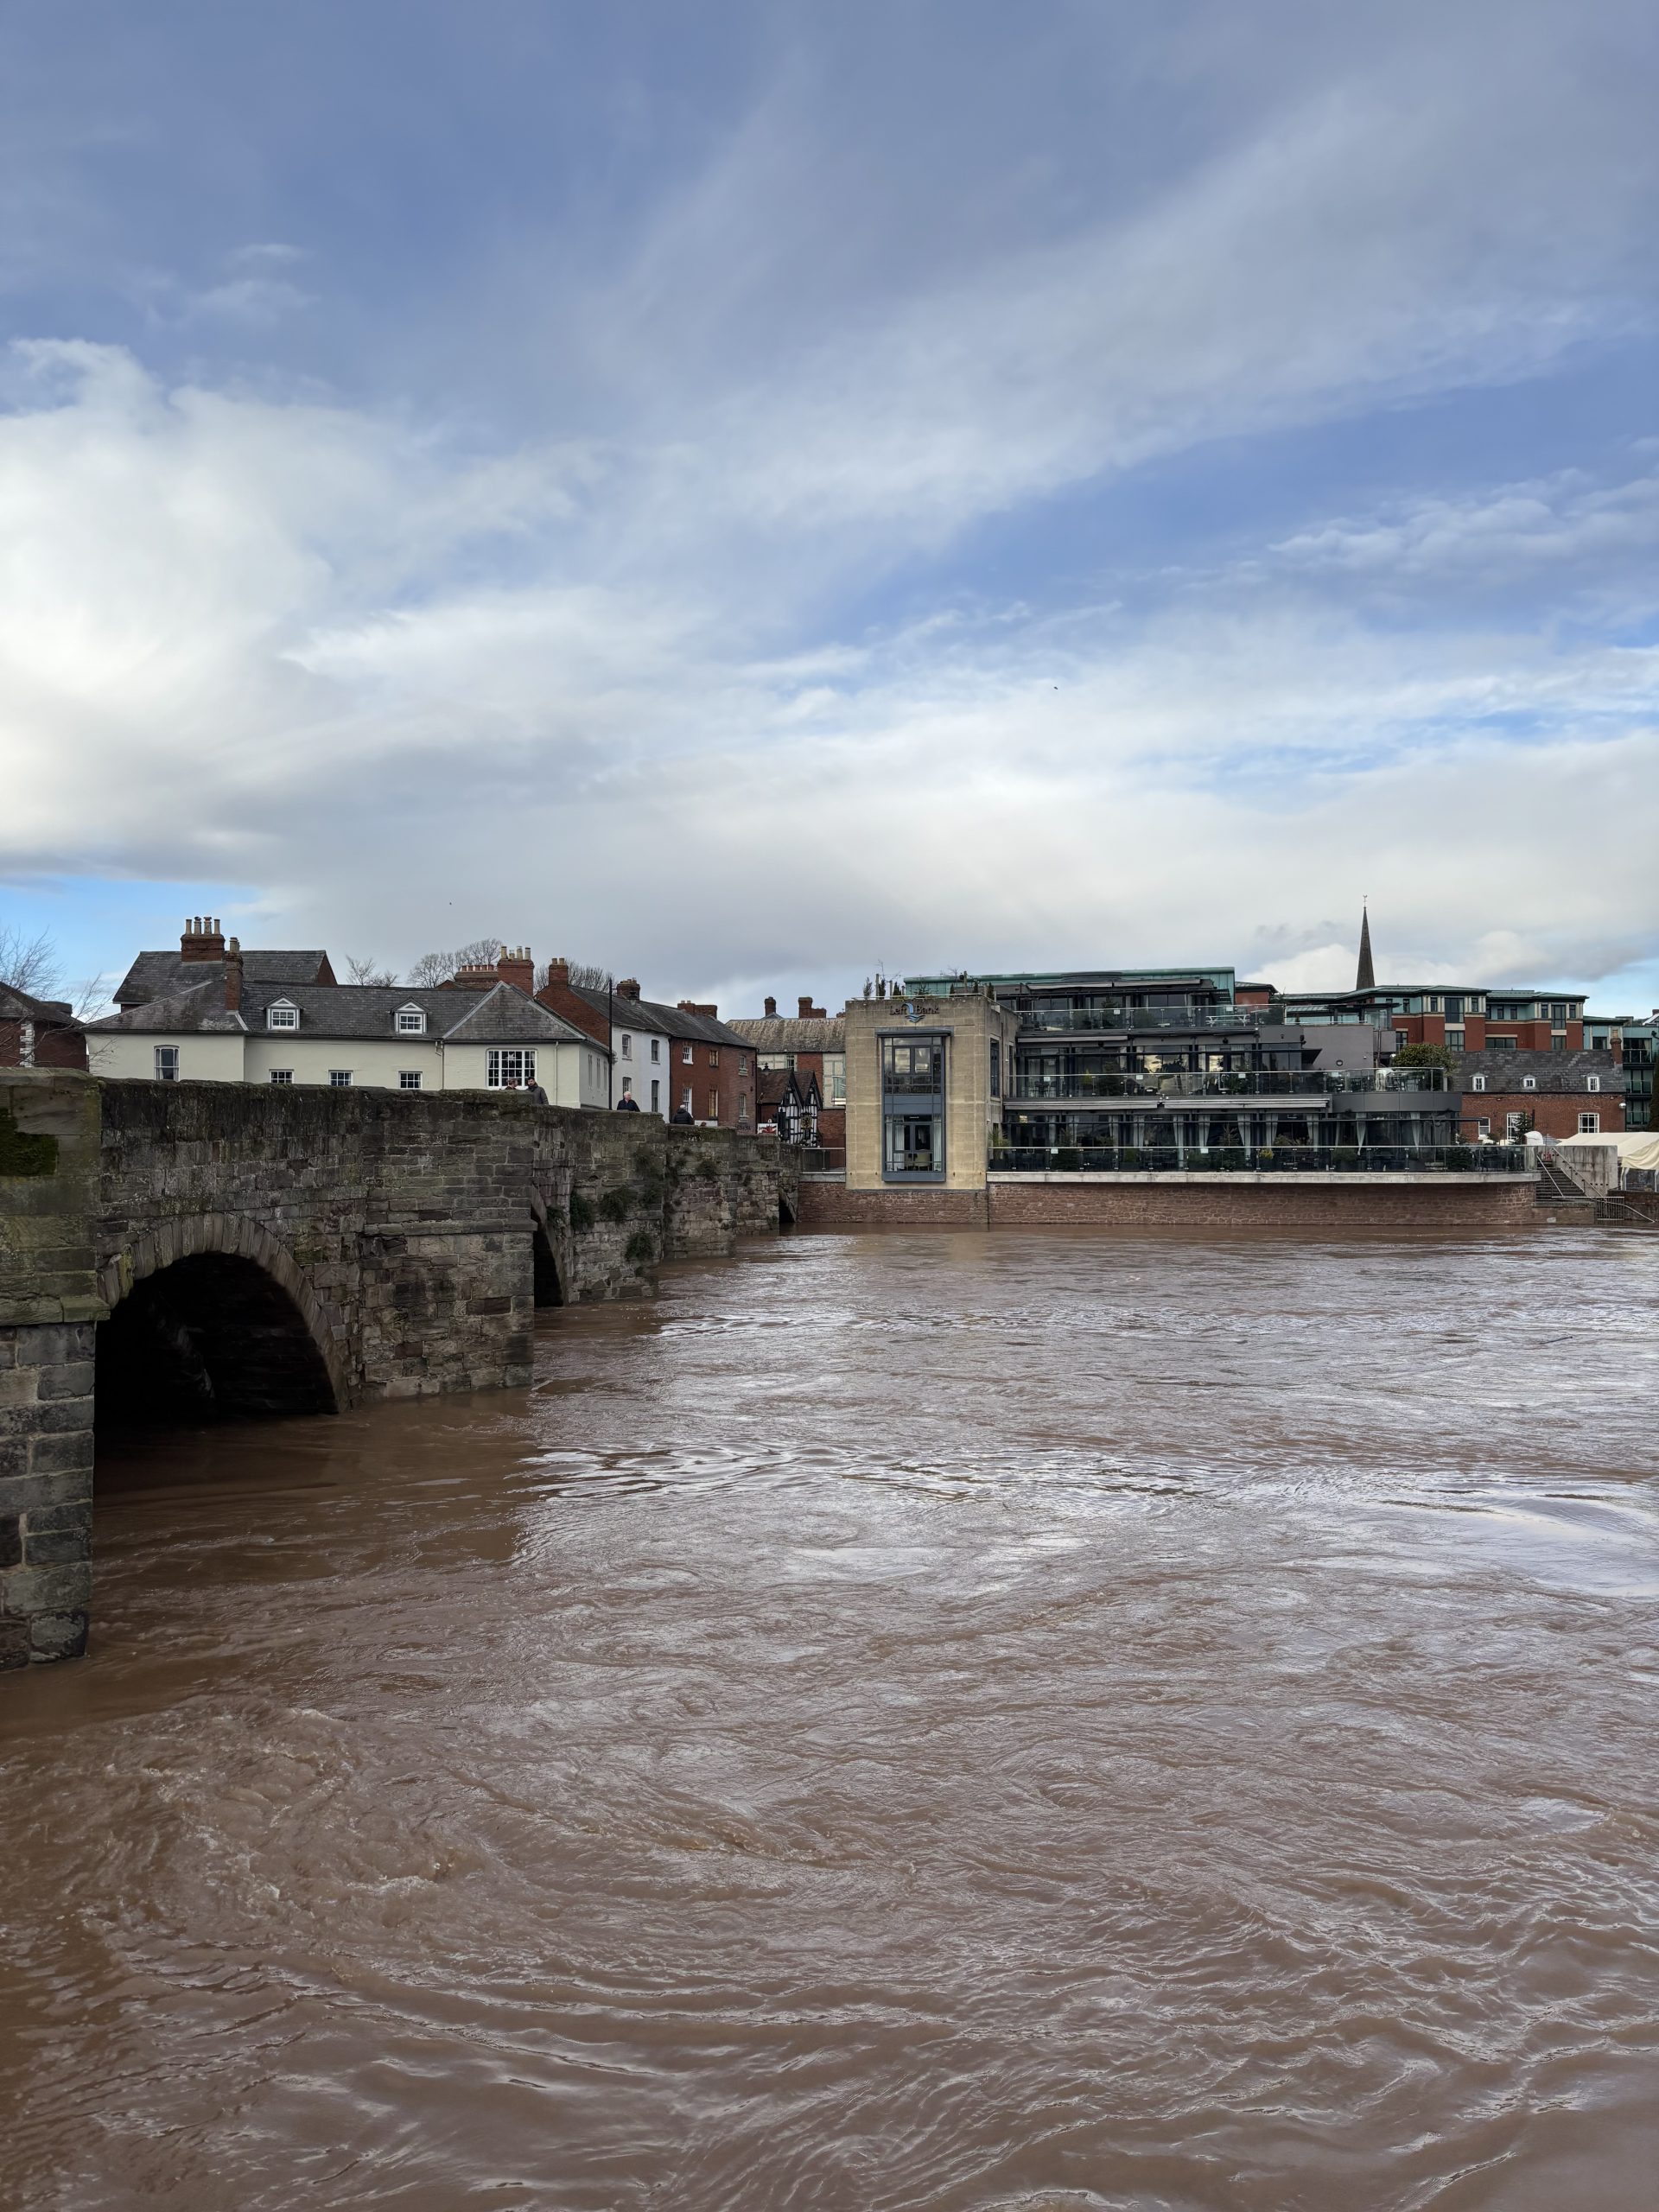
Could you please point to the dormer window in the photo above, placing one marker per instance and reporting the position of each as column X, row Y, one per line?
column 1528, row 1083
column 283, row 1015
column 412, row 1022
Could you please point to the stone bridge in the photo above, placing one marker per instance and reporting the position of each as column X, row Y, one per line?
column 194, row 1250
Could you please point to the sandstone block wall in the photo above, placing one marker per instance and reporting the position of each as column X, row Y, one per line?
column 401, row 1227
column 46, row 1491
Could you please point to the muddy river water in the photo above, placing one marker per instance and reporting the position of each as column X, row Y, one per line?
column 1040, row 1722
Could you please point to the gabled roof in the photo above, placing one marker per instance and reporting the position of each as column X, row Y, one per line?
column 163, row 975
column 787, row 1034
column 19, row 1006
column 502, row 1014
column 185, row 1012
column 668, row 1020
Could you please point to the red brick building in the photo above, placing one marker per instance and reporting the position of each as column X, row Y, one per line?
column 1559, row 1093
column 671, row 1060
column 39, row 1032
column 802, row 1070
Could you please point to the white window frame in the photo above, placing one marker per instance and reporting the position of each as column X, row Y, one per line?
column 656, row 1095
column 1594, row 1083
column 1528, row 1083
column 627, row 1044
column 284, row 1014
column 340, row 1078
column 281, row 1078
column 688, row 1056
column 167, row 1063
column 685, row 1100
column 627, row 1086
column 1477, row 1083
column 656, row 1051
column 410, row 1021
column 497, row 1068
column 411, row 1078
column 1483, row 1127
column 1589, row 1125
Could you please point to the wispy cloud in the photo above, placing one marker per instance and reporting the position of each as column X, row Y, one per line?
column 782, row 513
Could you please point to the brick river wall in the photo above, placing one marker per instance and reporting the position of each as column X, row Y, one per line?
column 1223, row 1203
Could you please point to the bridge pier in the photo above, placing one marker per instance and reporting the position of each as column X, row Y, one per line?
column 199, row 1250
column 49, row 1309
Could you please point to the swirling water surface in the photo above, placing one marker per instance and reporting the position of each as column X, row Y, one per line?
column 1031, row 1722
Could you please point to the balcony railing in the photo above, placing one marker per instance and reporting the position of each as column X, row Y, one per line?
column 1279, row 1159
column 1225, row 1082
column 1146, row 1017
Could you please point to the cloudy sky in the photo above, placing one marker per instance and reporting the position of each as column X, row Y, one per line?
column 753, row 495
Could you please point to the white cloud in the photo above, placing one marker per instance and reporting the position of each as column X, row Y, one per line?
column 413, row 677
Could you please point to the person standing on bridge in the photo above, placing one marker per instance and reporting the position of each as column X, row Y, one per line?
column 534, row 1090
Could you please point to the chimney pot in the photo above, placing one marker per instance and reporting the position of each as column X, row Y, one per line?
column 233, row 976
column 202, row 940
column 629, row 988
column 516, row 968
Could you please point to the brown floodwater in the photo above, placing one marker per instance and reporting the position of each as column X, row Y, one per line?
column 1031, row 1721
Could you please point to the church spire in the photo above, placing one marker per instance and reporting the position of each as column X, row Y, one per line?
column 1366, row 978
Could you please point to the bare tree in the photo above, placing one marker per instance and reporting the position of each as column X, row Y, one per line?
column 583, row 975
column 368, row 971
column 433, row 969
column 29, row 964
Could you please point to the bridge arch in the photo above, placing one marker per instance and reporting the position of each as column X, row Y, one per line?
column 211, row 1313
column 552, row 1267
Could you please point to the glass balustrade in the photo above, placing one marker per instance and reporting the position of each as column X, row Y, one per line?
column 1223, row 1083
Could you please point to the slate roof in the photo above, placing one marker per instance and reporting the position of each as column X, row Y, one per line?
column 667, row 1021
column 163, row 975
column 785, row 1033
column 502, row 1014
column 1559, row 1074
column 18, row 1005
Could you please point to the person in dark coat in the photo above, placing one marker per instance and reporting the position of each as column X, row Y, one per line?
column 684, row 1117
column 627, row 1104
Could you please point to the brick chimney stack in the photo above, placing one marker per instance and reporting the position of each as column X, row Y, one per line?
column 689, row 1006
column 807, row 1011
column 772, row 1009
column 629, row 988
column 515, row 966
column 202, row 939
column 233, row 976
column 558, row 971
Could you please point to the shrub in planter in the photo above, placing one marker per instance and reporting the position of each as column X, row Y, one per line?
column 1457, row 1157
column 1344, row 1155
column 582, row 1213
column 1230, row 1156
column 1068, row 1159
column 1128, row 1156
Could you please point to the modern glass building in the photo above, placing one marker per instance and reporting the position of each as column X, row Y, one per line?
column 1164, row 1067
